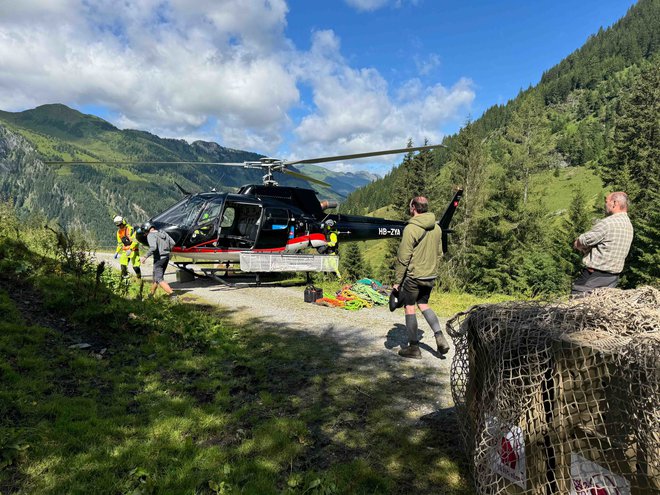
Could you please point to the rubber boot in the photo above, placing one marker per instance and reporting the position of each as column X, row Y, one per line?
column 412, row 351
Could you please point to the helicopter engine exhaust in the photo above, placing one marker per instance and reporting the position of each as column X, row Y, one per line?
column 326, row 205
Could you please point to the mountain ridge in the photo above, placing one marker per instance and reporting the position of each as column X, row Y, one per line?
column 85, row 197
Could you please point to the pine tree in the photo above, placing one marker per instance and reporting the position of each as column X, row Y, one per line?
column 355, row 267
column 401, row 196
column 528, row 141
column 386, row 272
column 634, row 167
column 419, row 169
column 579, row 220
column 402, row 192
column 469, row 162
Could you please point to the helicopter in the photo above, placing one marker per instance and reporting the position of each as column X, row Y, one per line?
column 217, row 227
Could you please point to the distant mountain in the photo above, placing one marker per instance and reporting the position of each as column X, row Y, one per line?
column 88, row 196
column 343, row 183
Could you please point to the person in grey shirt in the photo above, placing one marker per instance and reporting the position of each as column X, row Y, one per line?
column 160, row 246
column 605, row 247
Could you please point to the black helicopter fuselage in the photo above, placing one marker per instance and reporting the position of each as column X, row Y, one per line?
column 216, row 226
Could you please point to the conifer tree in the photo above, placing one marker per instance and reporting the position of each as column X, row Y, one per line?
column 355, row 267
column 528, row 141
column 419, row 169
column 634, row 167
column 469, row 163
column 405, row 185
column 579, row 220
column 401, row 196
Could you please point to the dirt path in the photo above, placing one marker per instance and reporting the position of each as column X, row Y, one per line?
column 375, row 334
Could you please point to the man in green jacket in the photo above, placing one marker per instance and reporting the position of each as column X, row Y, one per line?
column 417, row 267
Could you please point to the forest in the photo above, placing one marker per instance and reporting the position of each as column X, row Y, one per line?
column 595, row 116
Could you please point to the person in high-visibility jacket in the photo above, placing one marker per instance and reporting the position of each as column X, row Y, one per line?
column 128, row 248
column 332, row 237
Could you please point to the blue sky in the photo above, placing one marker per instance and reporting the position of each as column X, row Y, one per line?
column 294, row 79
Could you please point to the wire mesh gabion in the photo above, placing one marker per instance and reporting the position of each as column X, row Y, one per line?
column 561, row 397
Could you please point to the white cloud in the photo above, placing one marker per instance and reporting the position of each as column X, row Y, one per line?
column 165, row 66
column 426, row 64
column 367, row 5
column 219, row 70
column 372, row 5
column 356, row 110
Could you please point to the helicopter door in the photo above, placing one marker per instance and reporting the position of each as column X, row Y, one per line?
column 275, row 230
column 240, row 224
column 206, row 228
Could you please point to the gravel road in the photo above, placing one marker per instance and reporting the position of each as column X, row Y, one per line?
column 375, row 333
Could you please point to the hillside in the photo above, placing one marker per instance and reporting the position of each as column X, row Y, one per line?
column 534, row 170
column 86, row 197
column 580, row 95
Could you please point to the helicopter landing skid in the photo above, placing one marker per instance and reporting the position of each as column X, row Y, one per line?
column 211, row 271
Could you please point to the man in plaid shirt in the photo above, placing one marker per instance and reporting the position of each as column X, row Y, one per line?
column 605, row 246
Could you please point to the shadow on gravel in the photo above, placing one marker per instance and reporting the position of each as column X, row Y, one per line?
column 240, row 281
column 398, row 337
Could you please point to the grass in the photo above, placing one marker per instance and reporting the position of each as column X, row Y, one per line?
column 557, row 192
column 447, row 304
column 181, row 399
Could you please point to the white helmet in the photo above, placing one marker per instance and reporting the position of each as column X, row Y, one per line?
column 119, row 220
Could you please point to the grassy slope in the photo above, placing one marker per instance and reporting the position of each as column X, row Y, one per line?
column 556, row 192
column 183, row 400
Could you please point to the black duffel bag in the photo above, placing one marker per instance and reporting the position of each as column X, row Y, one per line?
column 312, row 294
column 395, row 301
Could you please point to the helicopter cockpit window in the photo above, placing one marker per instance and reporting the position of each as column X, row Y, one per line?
column 276, row 219
column 205, row 228
column 183, row 214
column 228, row 217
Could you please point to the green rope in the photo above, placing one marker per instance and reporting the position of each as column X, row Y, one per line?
column 366, row 292
column 355, row 304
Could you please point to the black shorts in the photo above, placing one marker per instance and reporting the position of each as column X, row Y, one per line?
column 414, row 291
column 160, row 266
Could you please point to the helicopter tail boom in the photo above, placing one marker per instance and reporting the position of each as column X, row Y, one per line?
column 359, row 228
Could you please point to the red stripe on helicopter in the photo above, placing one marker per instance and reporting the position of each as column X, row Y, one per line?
column 218, row 250
column 310, row 237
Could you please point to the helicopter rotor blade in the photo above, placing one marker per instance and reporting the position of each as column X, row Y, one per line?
column 305, row 177
column 144, row 162
column 362, row 155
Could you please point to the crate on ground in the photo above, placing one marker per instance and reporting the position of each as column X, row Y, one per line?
column 562, row 397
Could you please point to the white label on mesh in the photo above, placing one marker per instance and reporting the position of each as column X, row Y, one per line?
column 508, row 457
column 588, row 478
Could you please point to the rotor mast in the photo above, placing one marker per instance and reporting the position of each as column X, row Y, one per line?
column 270, row 165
